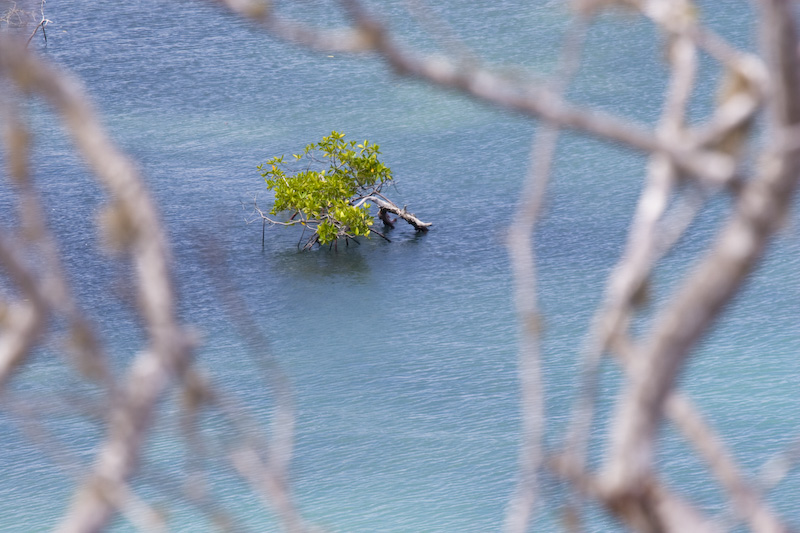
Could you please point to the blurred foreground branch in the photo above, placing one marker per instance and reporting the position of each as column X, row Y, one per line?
column 687, row 165
column 709, row 157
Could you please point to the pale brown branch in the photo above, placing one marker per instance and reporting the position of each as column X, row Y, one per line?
column 521, row 254
column 757, row 215
column 22, row 326
column 646, row 247
column 55, row 289
column 270, row 486
column 338, row 40
column 536, row 101
column 521, row 507
column 775, row 469
column 627, row 284
column 269, row 477
column 438, row 28
column 402, row 213
column 746, row 502
column 23, row 321
column 141, row 235
column 652, row 509
column 42, row 23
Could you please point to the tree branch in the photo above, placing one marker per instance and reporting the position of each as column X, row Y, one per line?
column 757, row 215
column 402, row 213
column 138, row 231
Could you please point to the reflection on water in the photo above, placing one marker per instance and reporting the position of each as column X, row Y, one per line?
column 347, row 262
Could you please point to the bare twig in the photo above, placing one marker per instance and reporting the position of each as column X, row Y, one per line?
column 745, row 500
column 521, row 252
column 263, row 462
column 757, row 215
column 42, row 23
column 628, row 280
column 139, row 232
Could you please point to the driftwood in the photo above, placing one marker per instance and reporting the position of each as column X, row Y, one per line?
column 388, row 207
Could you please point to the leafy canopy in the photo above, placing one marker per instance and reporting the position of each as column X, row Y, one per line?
column 329, row 193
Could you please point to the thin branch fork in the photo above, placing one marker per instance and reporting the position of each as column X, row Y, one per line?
column 168, row 350
column 25, row 320
column 747, row 502
column 758, row 214
column 42, row 23
column 540, row 102
column 526, row 498
column 629, row 277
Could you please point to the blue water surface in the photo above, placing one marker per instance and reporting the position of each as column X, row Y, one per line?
column 402, row 355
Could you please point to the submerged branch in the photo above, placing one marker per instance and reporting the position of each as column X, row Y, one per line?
column 391, row 207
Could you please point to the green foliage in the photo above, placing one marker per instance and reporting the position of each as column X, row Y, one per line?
column 329, row 188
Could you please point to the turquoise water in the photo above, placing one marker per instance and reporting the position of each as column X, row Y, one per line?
column 401, row 356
